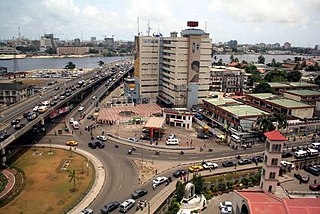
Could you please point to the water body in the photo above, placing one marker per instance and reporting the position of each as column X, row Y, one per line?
column 91, row 62
column 33, row 63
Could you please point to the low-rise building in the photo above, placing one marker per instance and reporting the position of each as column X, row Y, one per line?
column 14, row 92
column 179, row 117
column 279, row 87
column 72, row 50
column 306, row 96
column 274, row 103
column 3, row 70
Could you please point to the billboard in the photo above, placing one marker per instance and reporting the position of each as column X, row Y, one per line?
column 136, row 57
column 194, row 58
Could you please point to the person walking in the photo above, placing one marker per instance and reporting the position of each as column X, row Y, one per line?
column 315, row 181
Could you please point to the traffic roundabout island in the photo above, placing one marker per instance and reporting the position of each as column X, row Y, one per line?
column 55, row 179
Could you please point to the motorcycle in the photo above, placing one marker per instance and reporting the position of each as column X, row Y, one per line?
column 238, row 156
column 181, row 152
column 210, row 150
column 157, row 153
column 129, row 151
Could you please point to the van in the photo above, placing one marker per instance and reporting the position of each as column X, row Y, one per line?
column 300, row 154
column 312, row 152
column 315, row 146
column 174, row 141
column 75, row 124
column 126, row 205
column 42, row 109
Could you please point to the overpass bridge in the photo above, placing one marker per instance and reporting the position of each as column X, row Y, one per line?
column 100, row 76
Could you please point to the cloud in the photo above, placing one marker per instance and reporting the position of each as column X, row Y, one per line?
column 259, row 11
column 62, row 10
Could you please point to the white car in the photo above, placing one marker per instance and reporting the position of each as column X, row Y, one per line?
column 172, row 136
column 209, row 165
column 71, row 120
column 36, row 108
column 81, row 108
column 159, row 180
column 133, row 139
column 102, row 138
column 225, row 204
column 226, row 210
column 56, row 98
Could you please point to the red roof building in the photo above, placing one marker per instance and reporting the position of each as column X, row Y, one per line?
column 259, row 202
column 275, row 136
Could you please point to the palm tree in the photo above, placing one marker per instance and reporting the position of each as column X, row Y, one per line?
column 73, row 177
column 100, row 63
column 281, row 119
column 70, row 65
column 265, row 123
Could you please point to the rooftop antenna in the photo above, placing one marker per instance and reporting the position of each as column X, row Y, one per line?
column 148, row 28
column 138, row 26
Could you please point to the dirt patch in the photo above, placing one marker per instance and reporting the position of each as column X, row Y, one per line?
column 46, row 190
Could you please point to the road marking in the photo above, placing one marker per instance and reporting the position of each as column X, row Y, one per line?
column 192, row 157
column 119, row 187
column 172, row 158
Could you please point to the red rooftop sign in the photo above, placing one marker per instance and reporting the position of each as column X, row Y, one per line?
column 192, row 24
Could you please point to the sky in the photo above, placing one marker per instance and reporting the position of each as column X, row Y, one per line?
column 247, row 21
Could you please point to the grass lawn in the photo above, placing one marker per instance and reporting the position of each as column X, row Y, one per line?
column 47, row 187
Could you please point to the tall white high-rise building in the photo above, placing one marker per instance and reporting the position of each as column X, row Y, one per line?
column 173, row 70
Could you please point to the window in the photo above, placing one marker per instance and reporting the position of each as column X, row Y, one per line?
column 265, row 159
column 274, row 161
column 276, row 148
column 272, row 175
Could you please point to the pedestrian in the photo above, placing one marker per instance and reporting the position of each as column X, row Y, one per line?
column 156, row 171
column 235, row 166
column 191, row 143
column 256, row 163
column 315, row 181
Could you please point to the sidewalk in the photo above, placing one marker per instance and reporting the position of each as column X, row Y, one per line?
column 10, row 184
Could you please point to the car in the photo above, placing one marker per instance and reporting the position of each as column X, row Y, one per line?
column 133, row 139
column 89, row 117
column 314, row 170
column 56, row 98
column 92, row 145
column 19, row 126
column 57, row 88
column 286, row 154
column 202, row 136
column 198, row 116
column 126, row 205
column 159, row 180
column 99, row 144
column 209, row 165
column 102, row 138
column 257, row 159
column 71, row 120
column 228, row 163
column 244, row 161
column 72, row 143
column 53, row 103
column 87, row 211
column 96, row 109
column 195, row 168
column 301, row 178
column 139, row 193
column 225, row 204
column 314, row 187
column 172, row 136
column 81, row 108
column 15, row 121
column 62, row 97
column 178, row 173
column 3, row 136
column 109, row 207
column 226, row 210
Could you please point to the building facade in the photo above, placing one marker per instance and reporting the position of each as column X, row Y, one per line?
column 72, row 50
column 228, row 79
column 174, row 70
column 178, row 117
column 306, row 96
column 14, row 92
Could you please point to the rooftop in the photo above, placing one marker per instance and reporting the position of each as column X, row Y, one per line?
column 244, row 110
column 155, row 122
column 277, row 84
column 291, row 84
column 13, row 86
column 275, row 135
column 263, row 96
column 289, row 103
column 304, row 92
column 222, row 101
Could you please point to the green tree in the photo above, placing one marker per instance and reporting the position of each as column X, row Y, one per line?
column 281, row 120
column 198, row 182
column 174, row 207
column 231, row 58
column 236, row 60
column 273, row 63
column 70, row 65
column 100, row 63
column 265, row 123
column 73, row 177
column 179, row 190
column 261, row 59
column 263, row 88
column 294, row 76
column 251, row 69
column 276, row 76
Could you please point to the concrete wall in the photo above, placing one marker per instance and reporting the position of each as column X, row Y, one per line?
column 291, row 96
column 303, row 113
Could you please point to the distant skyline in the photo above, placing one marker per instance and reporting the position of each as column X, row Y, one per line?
column 247, row 21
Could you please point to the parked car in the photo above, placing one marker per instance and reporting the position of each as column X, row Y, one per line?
column 87, row 211
column 99, row 144
column 57, row 88
column 71, row 120
column 228, row 163
column 301, row 178
column 92, row 145
column 209, row 165
column 178, row 173
column 244, row 161
column 286, row 154
column 198, row 116
column 89, row 117
column 126, row 205
column 102, row 138
column 139, row 193
column 81, row 108
column 159, row 180
column 226, row 210
column 314, row 187
column 133, row 139
column 195, row 168
column 314, row 170
column 202, row 136
column 225, row 204
column 72, row 143
column 172, row 136
column 109, row 207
